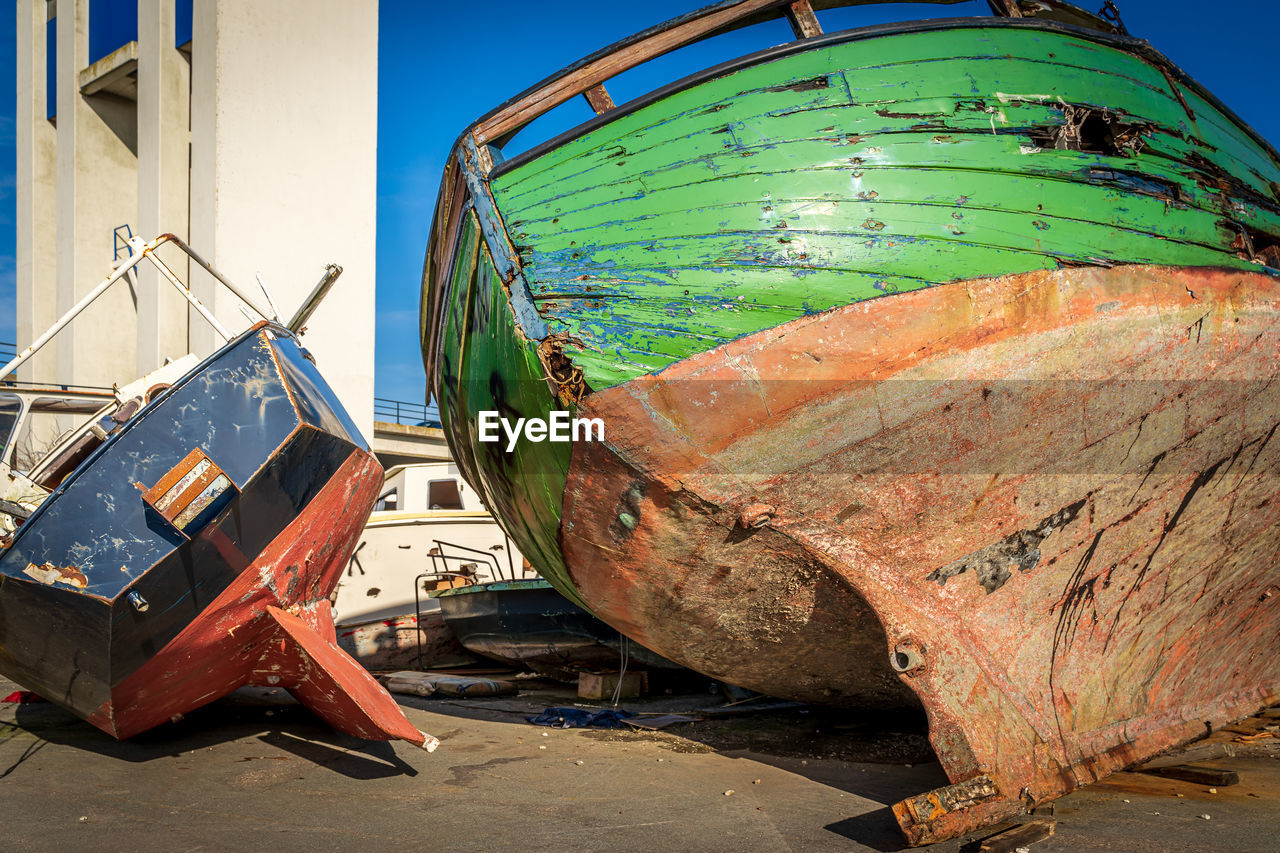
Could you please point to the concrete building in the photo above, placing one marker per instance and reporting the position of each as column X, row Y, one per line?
column 403, row 444
column 248, row 128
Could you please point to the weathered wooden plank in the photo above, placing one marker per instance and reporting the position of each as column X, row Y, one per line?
column 1226, row 144
column 803, row 22
column 1195, row 773
column 1007, row 8
column 940, row 55
column 950, row 200
column 592, row 74
column 1020, row 836
column 661, row 169
column 828, row 235
column 474, row 162
column 598, row 97
column 1175, row 209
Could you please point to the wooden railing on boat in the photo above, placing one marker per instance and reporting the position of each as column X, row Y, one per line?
column 587, row 78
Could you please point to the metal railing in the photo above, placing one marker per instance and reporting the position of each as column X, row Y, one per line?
column 9, row 351
column 20, row 385
column 466, row 572
column 405, row 412
column 140, row 250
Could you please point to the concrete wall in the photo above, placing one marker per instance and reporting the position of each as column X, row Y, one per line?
column 97, row 168
column 36, row 190
column 164, row 155
column 284, row 169
column 261, row 150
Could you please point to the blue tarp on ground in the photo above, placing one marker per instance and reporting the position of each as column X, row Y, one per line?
column 580, row 718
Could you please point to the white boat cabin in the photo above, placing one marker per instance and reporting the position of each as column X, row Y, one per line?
column 427, row 487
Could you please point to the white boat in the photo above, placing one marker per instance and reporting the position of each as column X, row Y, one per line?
column 428, row 532
column 47, row 430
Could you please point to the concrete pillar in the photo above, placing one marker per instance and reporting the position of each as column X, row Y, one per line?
column 97, row 191
column 202, row 189
column 36, row 186
column 164, row 85
column 284, row 169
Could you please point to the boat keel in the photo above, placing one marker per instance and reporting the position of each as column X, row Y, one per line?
column 336, row 688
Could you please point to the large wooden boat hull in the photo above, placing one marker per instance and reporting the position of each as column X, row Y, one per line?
column 1073, row 569
column 936, row 364
column 195, row 550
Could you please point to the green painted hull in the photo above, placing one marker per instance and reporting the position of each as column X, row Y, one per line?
column 862, row 169
column 865, row 166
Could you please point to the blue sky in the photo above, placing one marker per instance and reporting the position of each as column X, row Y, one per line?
column 441, row 65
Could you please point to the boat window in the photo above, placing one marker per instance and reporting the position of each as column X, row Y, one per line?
column 388, row 502
column 48, row 421
column 443, row 494
column 10, row 408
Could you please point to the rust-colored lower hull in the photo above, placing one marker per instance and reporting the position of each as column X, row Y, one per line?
column 1046, row 504
column 273, row 626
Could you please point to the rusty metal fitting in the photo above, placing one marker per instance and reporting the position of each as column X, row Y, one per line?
column 906, row 657
column 139, row 603
column 756, row 516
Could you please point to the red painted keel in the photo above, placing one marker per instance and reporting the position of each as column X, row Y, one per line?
column 325, row 679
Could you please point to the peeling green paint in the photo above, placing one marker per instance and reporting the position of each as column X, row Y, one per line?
column 867, row 168
column 845, row 172
column 486, row 365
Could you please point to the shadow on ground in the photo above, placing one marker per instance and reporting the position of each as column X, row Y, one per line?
column 278, row 721
column 877, row 757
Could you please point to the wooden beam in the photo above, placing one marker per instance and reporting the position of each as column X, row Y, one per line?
column 1019, row 836
column 592, row 74
column 598, row 97
column 1195, row 773
column 803, row 22
column 630, row 53
column 1005, row 8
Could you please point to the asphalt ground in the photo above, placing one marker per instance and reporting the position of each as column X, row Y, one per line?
column 256, row 771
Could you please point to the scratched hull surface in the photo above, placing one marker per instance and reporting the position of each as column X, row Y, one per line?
column 1072, row 569
column 937, row 358
column 194, row 552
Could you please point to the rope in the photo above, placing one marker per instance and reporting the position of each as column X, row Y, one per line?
column 624, row 657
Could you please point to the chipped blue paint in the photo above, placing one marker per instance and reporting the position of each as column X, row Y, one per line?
column 495, row 237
